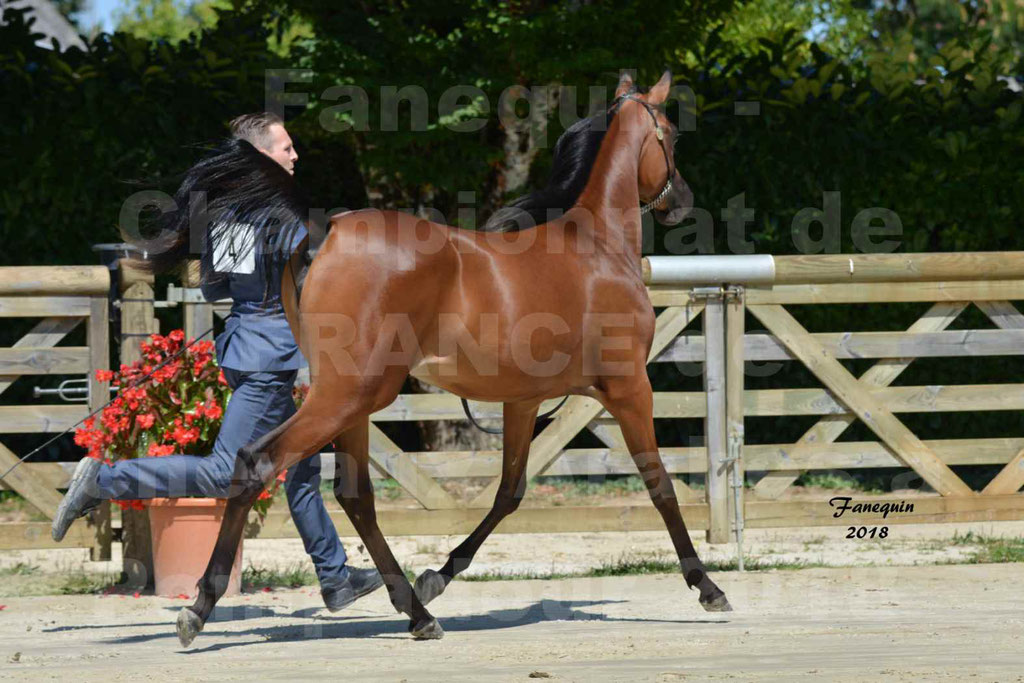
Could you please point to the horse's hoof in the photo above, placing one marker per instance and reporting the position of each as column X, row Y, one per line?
column 426, row 630
column 429, row 585
column 718, row 604
column 189, row 626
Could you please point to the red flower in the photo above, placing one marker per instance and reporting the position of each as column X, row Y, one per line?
column 185, row 436
column 176, row 405
column 214, row 411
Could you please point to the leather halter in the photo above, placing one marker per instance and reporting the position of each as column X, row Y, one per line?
column 660, row 134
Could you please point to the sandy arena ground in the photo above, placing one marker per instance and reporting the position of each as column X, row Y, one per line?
column 865, row 623
column 950, row 623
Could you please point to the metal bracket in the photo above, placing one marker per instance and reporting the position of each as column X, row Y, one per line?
column 723, row 292
column 734, row 450
column 71, row 390
column 735, row 292
column 706, row 293
column 189, row 295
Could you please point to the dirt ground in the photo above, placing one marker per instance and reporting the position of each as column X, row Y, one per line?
column 893, row 621
column 861, row 624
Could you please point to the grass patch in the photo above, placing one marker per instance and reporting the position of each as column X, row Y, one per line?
column 19, row 569
column 594, row 486
column 257, row 578
column 990, row 549
column 81, row 582
column 639, row 566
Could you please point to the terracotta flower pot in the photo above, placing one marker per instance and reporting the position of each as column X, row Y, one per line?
column 184, row 531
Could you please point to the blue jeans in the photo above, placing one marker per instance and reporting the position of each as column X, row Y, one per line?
column 260, row 402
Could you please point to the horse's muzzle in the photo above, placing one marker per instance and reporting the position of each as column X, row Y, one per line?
column 677, row 204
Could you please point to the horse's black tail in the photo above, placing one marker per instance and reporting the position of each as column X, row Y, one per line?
column 236, row 185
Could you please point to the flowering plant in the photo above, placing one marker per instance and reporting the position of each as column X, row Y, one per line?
column 177, row 409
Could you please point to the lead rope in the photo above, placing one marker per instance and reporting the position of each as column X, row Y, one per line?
column 137, row 383
column 465, row 407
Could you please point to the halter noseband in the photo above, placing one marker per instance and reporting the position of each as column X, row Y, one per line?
column 646, row 208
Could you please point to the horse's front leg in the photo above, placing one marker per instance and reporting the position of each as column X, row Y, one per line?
column 517, row 434
column 633, row 407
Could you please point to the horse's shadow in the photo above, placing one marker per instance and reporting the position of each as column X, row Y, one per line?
column 361, row 627
column 227, row 613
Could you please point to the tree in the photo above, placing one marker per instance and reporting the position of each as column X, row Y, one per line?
column 425, row 50
column 170, row 20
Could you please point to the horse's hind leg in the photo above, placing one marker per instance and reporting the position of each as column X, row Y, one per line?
column 518, row 432
column 354, row 490
column 634, row 413
column 301, row 435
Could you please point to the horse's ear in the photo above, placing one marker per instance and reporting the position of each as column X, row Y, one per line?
column 659, row 93
column 625, row 84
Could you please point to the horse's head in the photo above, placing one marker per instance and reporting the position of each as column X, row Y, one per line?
column 658, row 179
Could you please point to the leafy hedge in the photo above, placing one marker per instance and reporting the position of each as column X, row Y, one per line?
column 83, row 130
column 930, row 133
column 937, row 140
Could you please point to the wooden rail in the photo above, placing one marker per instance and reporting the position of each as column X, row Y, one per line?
column 64, row 297
column 944, row 285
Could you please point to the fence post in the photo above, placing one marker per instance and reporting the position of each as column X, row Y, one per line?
column 734, row 330
column 98, row 340
column 717, row 490
column 198, row 317
column 137, row 323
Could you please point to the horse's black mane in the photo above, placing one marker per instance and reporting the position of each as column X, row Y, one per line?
column 574, row 157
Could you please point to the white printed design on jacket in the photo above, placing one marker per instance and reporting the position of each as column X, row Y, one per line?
column 234, row 248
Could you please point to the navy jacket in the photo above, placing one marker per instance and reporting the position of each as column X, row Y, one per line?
column 256, row 338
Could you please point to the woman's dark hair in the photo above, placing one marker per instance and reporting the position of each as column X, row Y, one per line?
column 235, row 184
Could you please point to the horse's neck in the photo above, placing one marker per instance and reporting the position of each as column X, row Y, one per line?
column 611, row 194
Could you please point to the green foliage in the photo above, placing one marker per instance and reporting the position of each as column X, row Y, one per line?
column 937, row 146
column 256, row 578
column 837, row 27
column 490, row 46
column 902, row 106
column 170, row 20
column 991, row 549
column 19, row 569
column 84, row 130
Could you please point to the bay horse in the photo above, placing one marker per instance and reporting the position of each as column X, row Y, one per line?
column 513, row 317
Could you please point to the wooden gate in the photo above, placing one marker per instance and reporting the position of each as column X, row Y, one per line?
column 63, row 297
column 944, row 284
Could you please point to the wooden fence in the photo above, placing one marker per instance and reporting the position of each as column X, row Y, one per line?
column 944, row 285
column 63, row 297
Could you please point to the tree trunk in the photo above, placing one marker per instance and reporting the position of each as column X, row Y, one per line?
column 524, row 138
